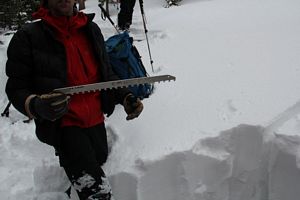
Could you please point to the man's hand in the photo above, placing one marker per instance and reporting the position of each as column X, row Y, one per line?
column 133, row 106
column 50, row 106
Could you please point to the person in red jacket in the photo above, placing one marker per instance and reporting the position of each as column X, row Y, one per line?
column 65, row 48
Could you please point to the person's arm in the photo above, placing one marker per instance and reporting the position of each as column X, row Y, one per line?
column 132, row 105
column 20, row 83
column 120, row 93
column 19, row 71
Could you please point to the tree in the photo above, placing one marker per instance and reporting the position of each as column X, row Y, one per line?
column 14, row 13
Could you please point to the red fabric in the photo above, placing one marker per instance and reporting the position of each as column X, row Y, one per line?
column 84, row 109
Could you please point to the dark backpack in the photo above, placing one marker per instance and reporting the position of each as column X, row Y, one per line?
column 126, row 62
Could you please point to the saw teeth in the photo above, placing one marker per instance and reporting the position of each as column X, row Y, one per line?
column 115, row 84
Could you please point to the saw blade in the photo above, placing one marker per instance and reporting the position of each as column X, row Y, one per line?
column 114, row 84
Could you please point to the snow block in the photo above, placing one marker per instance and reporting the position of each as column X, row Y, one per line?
column 239, row 164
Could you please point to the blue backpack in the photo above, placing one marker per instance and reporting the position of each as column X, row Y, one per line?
column 126, row 62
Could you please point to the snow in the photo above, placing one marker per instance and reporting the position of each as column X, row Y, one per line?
column 226, row 129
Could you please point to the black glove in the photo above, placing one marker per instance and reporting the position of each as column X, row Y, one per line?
column 133, row 106
column 49, row 106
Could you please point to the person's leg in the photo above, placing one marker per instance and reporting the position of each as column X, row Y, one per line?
column 82, row 162
column 125, row 14
column 130, row 10
column 98, row 138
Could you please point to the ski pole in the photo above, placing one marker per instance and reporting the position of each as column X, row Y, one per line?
column 6, row 110
column 146, row 31
column 108, row 17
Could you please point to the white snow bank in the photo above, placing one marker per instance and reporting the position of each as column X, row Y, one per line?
column 241, row 61
column 239, row 164
column 3, row 77
column 242, row 163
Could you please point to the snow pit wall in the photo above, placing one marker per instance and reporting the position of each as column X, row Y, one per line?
column 240, row 164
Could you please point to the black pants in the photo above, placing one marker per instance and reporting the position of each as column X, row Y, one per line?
column 126, row 11
column 82, row 152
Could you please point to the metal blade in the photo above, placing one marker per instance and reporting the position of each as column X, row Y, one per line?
column 114, row 84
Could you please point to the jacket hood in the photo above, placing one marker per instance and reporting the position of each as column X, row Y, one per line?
column 62, row 23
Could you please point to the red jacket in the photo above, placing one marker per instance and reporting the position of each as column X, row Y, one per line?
column 84, row 109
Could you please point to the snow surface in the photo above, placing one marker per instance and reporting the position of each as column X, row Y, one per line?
column 226, row 129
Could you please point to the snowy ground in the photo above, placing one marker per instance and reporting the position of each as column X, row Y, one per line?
column 227, row 129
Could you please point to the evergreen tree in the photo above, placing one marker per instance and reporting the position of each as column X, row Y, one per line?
column 14, row 13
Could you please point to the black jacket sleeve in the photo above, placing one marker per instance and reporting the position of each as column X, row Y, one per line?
column 19, row 70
